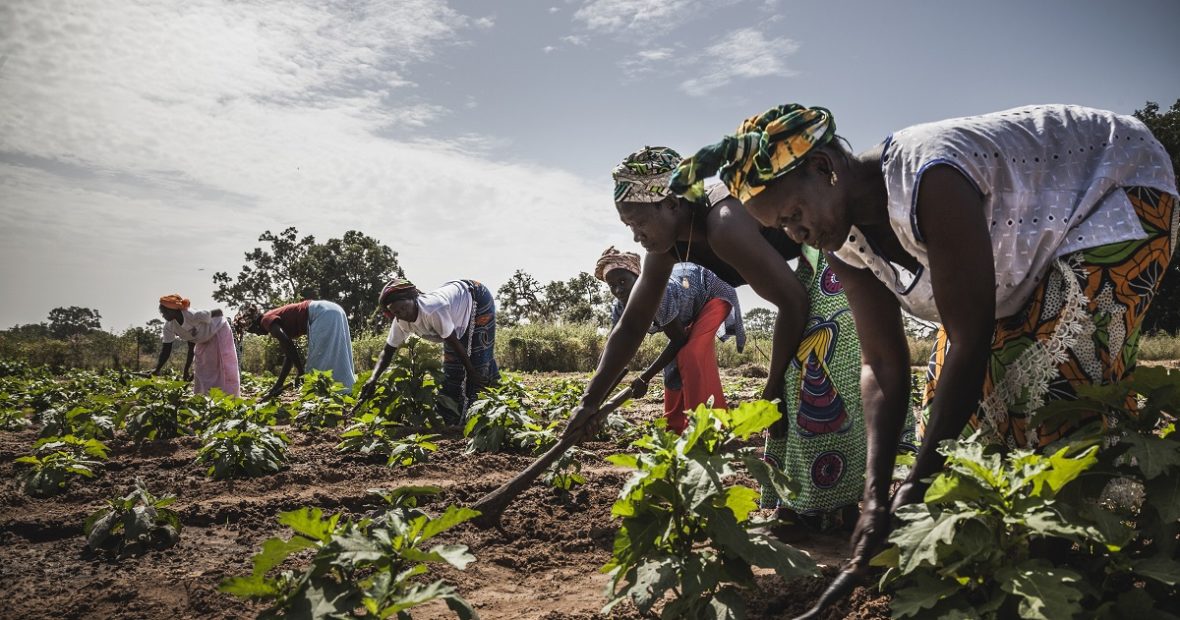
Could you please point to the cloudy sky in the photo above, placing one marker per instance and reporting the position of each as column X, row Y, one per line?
column 146, row 145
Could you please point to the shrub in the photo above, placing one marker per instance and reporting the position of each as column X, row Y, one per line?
column 57, row 460
column 370, row 563
column 133, row 524
column 686, row 534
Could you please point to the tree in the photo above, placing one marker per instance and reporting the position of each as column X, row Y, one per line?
column 349, row 271
column 1164, row 313
column 760, row 321
column 517, row 298
column 582, row 299
column 73, row 321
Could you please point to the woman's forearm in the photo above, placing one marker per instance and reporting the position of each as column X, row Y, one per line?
column 959, row 387
column 165, row 353
column 788, row 330
column 884, row 396
column 620, row 347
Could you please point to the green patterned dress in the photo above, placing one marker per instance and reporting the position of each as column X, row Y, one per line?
column 824, row 449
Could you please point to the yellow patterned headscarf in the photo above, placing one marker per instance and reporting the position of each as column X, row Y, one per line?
column 764, row 148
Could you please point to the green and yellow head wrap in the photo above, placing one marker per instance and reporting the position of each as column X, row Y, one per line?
column 764, row 148
column 644, row 175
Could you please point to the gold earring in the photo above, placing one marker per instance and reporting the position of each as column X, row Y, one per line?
column 832, row 179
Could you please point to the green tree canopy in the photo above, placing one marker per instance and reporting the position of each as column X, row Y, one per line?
column 1164, row 313
column 518, row 298
column 580, row 299
column 349, row 271
column 760, row 321
column 73, row 321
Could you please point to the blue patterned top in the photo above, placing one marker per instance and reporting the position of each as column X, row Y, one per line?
column 685, row 303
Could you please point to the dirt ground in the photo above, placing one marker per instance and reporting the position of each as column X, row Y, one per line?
column 541, row 564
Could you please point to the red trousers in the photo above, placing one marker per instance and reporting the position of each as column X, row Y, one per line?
column 697, row 361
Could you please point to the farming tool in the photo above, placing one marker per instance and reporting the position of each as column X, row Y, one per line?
column 492, row 505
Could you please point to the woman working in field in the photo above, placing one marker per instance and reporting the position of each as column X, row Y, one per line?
column 211, row 351
column 820, row 441
column 690, row 316
column 459, row 314
column 329, row 343
column 1036, row 236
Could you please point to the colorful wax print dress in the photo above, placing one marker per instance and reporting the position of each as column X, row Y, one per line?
column 824, row 447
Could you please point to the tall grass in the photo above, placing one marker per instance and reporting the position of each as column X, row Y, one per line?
column 535, row 347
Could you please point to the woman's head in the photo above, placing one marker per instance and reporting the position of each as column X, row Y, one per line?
column 172, row 305
column 249, row 319
column 619, row 270
column 644, row 201
column 784, row 166
column 399, row 300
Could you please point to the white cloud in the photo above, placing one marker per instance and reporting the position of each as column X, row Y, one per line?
column 647, row 62
column 574, row 39
column 741, row 54
column 644, row 16
column 141, row 143
column 548, row 48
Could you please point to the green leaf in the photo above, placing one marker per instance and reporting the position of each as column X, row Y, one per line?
column 1163, row 495
column 254, row 586
column 629, row 461
column 310, row 522
column 950, row 488
column 1154, row 456
column 753, row 417
column 455, row 555
column 925, row 591
column 728, row 604
column 1046, row 592
column 927, row 527
column 741, row 501
column 450, row 518
column 1063, row 469
column 275, row 551
column 1163, row 570
column 771, row 477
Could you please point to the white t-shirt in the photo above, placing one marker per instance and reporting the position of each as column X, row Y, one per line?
column 198, row 327
column 1050, row 177
column 441, row 313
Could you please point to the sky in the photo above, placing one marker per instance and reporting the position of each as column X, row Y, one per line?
column 146, row 145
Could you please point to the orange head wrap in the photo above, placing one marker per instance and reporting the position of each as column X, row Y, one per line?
column 174, row 301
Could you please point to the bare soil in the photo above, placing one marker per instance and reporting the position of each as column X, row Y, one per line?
column 542, row 563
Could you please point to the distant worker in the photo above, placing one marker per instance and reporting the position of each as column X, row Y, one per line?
column 211, row 351
column 462, row 316
column 329, row 342
column 696, row 306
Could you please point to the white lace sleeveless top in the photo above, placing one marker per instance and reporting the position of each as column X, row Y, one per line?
column 1050, row 177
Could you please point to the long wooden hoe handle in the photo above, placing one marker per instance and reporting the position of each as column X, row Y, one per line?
column 492, row 505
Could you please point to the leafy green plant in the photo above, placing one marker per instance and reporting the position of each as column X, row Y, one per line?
column 159, row 408
column 502, row 420
column 57, row 460
column 371, row 564
column 687, row 538
column 565, row 474
column 91, row 419
column 408, row 392
column 235, row 448
column 133, row 524
column 13, row 417
column 321, row 402
column 412, row 449
column 1046, row 535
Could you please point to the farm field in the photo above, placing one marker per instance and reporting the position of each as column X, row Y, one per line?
column 542, row 563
